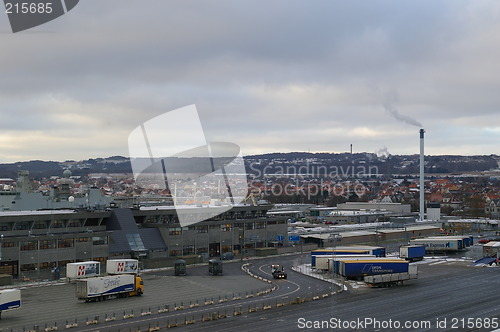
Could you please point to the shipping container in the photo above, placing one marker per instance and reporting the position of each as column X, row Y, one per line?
column 357, row 269
column 10, row 299
column 122, row 266
column 467, row 240
column 439, row 244
column 351, row 250
column 334, row 262
column 412, row 253
column 387, row 280
column 321, row 261
column 83, row 269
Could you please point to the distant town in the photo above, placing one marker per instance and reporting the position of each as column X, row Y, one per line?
column 466, row 186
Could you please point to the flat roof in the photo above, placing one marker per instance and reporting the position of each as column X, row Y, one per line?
column 35, row 212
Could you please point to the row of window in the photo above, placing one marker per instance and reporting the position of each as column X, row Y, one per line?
column 53, row 244
column 25, row 225
column 224, row 227
column 232, row 215
column 51, row 265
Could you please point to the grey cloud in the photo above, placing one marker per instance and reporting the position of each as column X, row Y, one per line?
column 124, row 62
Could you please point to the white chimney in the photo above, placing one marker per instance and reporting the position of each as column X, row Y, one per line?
column 422, row 202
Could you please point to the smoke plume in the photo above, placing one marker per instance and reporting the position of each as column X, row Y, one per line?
column 389, row 106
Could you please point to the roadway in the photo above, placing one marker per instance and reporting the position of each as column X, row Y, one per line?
column 447, row 293
column 56, row 304
column 445, row 290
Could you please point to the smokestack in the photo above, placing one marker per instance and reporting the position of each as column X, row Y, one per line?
column 422, row 203
column 351, row 148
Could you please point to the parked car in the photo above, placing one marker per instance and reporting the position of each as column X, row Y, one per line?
column 483, row 241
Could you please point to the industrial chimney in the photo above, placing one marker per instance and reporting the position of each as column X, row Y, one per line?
column 422, row 203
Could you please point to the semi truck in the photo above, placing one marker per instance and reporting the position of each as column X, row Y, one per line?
column 278, row 271
column 83, row 269
column 9, row 299
column 122, row 266
column 412, row 253
column 390, row 279
column 102, row 288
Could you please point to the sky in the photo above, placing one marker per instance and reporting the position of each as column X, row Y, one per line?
column 269, row 76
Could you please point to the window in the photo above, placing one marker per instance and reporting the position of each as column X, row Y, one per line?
column 200, row 251
column 83, row 239
column 175, row 231
column 57, row 224
column 99, row 240
column 74, row 223
column 175, row 253
column 202, row 229
column 28, row 267
column 47, row 244
column 21, row 225
column 8, row 244
column 135, row 242
column 260, row 225
column 28, row 245
column 40, row 225
column 188, row 250
column 65, row 243
column 226, row 227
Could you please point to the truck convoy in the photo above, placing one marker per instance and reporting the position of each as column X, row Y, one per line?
column 278, row 271
column 9, row 299
column 102, row 288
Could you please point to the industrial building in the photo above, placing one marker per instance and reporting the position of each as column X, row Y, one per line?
column 34, row 241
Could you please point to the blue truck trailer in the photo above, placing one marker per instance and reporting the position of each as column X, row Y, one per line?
column 357, row 269
column 321, row 262
column 334, row 262
column 412, row 253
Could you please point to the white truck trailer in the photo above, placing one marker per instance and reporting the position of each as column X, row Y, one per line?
column 83, row 269
column 389, row 279
column 9, row 299
column 122, row 266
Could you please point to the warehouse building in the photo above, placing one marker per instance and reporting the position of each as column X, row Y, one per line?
column 37, row 241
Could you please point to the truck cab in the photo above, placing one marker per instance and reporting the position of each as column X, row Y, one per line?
column 138, row 287
column 278, row 271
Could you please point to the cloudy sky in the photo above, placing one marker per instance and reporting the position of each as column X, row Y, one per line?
column 270, row 76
